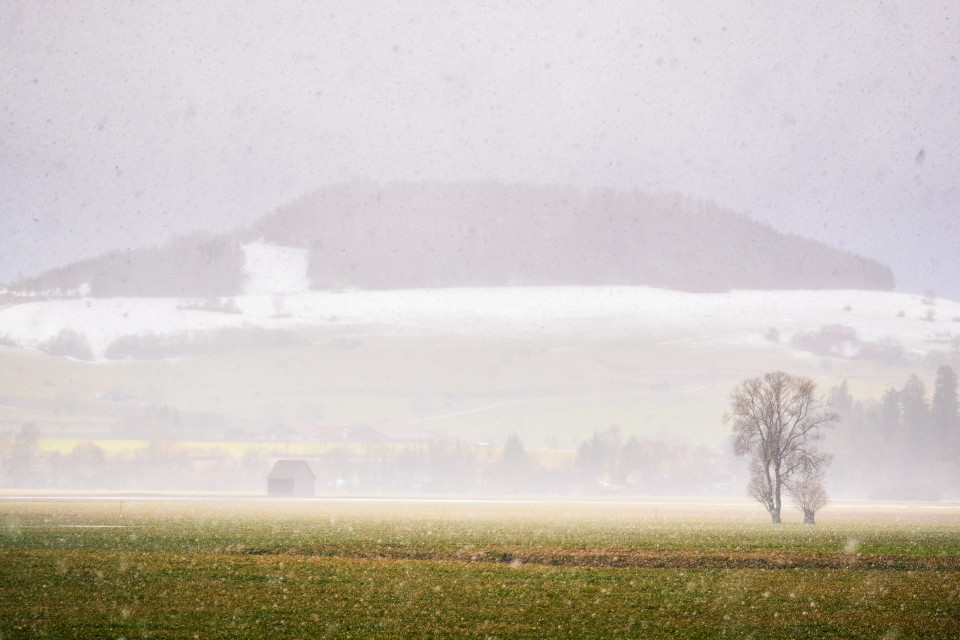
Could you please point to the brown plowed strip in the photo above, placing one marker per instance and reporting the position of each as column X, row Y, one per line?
column 642, row 558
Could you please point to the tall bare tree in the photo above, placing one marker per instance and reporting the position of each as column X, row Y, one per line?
column 777, row 420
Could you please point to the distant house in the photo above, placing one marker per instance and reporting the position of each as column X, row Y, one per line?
column 283, row 433
column 291, row 478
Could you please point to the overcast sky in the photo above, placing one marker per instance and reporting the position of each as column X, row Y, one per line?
column 122, row 123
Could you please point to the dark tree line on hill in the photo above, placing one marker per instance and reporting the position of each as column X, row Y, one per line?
column 905, row 446
column 420, row 235
column 197, row 265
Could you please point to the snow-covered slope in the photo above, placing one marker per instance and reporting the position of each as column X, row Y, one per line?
column 274, row 269
column 737, row 318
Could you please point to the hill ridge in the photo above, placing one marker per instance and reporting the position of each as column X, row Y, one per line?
column 399, row 235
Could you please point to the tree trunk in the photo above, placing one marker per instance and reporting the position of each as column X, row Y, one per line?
column 775, row 516
column 808, row 516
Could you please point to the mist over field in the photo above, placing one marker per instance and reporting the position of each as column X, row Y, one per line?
column 488, row 250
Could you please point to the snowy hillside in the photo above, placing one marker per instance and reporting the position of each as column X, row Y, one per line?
column 274, row 269
column 757, row 319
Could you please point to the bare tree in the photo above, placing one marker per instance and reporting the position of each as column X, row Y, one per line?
column 808, row 492
column 777, row 420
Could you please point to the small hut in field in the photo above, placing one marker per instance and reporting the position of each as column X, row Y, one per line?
column 291, row 479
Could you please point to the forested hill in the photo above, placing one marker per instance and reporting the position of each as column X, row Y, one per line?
column 410, row 235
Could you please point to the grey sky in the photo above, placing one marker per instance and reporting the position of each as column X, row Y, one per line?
column 124, row 122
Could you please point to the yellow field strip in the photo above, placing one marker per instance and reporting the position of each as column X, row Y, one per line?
column 120, row 448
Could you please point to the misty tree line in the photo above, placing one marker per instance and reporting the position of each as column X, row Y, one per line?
column 906, row 445
column 71, row 343
column 606, row 462
column 158, row 466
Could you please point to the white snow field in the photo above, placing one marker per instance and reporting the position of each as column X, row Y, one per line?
column 740, row 318
column 274, row 269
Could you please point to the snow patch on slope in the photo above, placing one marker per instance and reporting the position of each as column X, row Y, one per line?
column 274, row 269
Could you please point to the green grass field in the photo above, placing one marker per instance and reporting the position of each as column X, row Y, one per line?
column 316, row 569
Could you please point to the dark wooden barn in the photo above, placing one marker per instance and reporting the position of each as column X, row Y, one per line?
column 291, row 478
